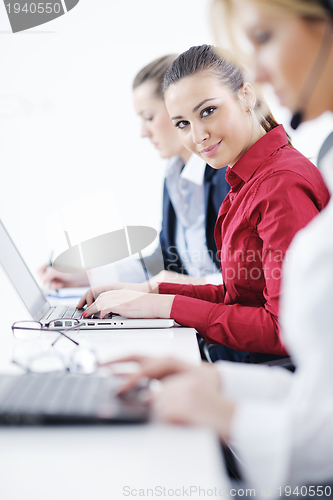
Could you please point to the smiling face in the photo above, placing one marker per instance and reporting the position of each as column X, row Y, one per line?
column 286, row 48
column 155, row 122
column 212, row 122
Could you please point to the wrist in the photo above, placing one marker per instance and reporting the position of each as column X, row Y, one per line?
column 164, row 305
column 224, row 417
column 153, row 287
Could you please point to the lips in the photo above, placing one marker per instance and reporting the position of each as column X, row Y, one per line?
column 211, row 150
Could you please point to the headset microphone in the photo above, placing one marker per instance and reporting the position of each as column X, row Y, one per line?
column 319, row 65
column 296, row 119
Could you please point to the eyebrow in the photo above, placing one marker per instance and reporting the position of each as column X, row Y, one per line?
column 198, row 106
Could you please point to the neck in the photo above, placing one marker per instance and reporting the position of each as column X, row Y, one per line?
column 257, row 133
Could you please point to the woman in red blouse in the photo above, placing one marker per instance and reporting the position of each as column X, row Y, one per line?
column 274, row 192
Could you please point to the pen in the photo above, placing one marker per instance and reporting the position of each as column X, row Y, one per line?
column 47, row 283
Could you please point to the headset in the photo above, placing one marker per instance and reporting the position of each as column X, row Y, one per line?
column 319, row 64
column 328, row 4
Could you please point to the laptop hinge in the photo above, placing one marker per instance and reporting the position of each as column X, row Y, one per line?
column 46, row 307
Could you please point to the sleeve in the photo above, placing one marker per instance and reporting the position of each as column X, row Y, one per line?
column 261, row 439
column 245, row 381
column 210, row 293
column 285, row 443
column 260, row 433
column 284, row 203
column 244, row 328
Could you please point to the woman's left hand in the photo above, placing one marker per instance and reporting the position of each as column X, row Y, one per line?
column 131, row 304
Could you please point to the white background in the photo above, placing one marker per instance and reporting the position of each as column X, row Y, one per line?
column 67, row 125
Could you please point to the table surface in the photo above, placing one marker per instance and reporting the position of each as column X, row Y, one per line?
column 107, row 462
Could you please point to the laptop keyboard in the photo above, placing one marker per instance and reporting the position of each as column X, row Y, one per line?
column 49, row 394
column 71, row 312
column 57, row 395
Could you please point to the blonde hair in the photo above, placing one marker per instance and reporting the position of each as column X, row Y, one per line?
column 308, row 9
column 222, row 15
column 314, row 10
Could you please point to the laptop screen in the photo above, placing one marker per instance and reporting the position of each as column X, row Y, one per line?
column 19, row 274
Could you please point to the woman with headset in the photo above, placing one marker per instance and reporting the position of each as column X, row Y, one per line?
column 193, row 193
column 279, row 424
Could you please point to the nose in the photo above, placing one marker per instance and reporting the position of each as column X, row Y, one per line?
column 199, row 134
column 145, row 132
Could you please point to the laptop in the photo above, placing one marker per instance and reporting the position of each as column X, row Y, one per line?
column 49, row 399
column 41, row 310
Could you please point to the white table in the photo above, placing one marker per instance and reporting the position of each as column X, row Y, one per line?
column 99, row 462
column 111, row 462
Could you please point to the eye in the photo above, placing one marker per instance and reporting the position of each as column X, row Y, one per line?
column 260, row 36
column 207, row 111
column 149, row 119
column 181, row 124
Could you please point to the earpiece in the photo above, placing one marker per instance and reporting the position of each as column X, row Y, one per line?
column 328, row 4
column 318, row 67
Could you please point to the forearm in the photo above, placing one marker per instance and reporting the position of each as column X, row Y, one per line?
column 210, row 293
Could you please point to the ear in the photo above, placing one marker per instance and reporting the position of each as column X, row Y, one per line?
column 247, row 96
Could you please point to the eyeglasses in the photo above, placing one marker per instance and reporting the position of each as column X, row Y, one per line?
column 25, row 330
column 38, row 355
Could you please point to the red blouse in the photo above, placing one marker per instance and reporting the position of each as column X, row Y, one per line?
column 275, row 191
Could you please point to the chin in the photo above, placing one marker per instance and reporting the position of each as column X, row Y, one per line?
column 164, row 155
column 312, row 114
column 216, row 165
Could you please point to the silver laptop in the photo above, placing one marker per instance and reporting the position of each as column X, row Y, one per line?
column 41, row 399
column 41, row 310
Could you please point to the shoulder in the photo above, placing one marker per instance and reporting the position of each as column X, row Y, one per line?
column 289, row 167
